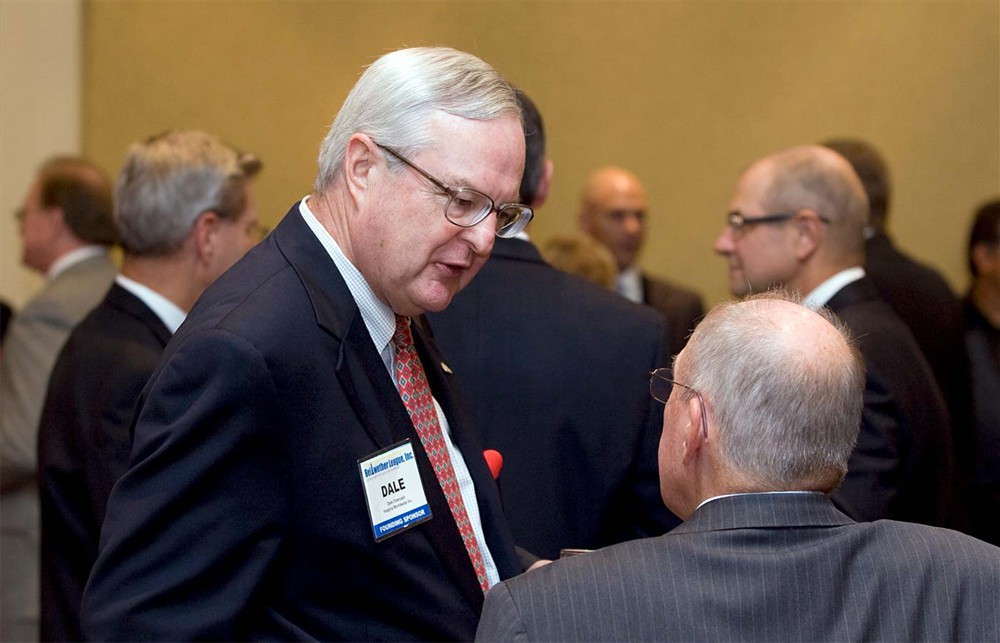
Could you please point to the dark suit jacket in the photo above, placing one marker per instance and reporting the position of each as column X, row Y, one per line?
column 556, row 372
column 84, row 444
column 982, row 341
column 902, row 465
column 242, row 515
column 683, row 309
column 926, row 304
column 761, row 567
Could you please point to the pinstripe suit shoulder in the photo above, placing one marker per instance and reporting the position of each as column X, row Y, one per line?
column 761, row 567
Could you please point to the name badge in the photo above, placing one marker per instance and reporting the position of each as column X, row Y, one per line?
column 393, row 490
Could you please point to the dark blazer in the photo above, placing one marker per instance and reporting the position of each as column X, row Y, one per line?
column 902, row 465
column 982, row 342
column 761, row 567
column 242, row 515
column 683, row 309
column 556, row 372
column 84, row 444
column 924, row 301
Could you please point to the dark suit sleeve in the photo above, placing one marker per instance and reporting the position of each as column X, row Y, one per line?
column 501, row 620
column 193, row 525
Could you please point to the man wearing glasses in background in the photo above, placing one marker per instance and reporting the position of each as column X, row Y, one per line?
column 796, row 220
column 762, row 410
column 300, row 469
column 66, row 229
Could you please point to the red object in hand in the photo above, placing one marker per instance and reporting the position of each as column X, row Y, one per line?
column 494, row 461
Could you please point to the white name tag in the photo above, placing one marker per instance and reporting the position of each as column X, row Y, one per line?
column 393, row 490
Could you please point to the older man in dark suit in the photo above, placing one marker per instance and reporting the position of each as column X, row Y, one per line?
column 796, row 220
column 186, row 211
column 300, row 467
column 554, row 370
column 762, row 408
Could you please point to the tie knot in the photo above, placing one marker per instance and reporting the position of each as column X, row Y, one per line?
column 402, row 338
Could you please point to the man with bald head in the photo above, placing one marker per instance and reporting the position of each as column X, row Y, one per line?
column 796, row 220
column 763, row 553
column 613, row 210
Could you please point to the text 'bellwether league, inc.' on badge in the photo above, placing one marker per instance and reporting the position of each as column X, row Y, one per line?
column 393, row 490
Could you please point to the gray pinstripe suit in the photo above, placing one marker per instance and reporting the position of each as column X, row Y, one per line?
column 761, row 567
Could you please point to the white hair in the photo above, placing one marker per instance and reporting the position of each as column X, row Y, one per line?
column 785, row 413
column 396, row 96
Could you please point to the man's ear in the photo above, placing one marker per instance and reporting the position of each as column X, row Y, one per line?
column 542, row 193
column 809, row 233
column 205, row 234
column 359, row 160
column 693, row 436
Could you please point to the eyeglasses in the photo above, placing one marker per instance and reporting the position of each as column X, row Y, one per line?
column 737, row 220
column 467, row 207
column 660, row 384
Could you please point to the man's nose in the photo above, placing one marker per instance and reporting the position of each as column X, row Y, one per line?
column 724, row 243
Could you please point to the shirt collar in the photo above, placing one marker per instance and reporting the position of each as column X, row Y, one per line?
column 169, row 313
column 377, row 315
column 753, row 493
column 824, row 292
column 74, row 257
column 628, row 284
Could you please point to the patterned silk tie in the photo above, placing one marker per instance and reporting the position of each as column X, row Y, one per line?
column 416, row 394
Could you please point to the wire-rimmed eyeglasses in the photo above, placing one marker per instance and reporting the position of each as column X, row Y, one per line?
column 467, row 207
column 737, row 221
column 660, row 384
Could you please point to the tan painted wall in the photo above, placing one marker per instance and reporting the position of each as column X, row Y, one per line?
column 40, row 50
column 685, row 93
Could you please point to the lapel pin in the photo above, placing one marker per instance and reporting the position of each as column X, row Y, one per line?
column 446, row 368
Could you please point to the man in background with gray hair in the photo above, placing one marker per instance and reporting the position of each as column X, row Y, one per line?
column 762, row 409
column 186, row 211
column 300, row 468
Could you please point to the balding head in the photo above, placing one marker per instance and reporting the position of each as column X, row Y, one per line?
column 816, row 211
column 782, row 387
column 613, row 210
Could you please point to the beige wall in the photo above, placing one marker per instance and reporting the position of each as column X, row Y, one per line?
column 684, row 93
column 40, row 66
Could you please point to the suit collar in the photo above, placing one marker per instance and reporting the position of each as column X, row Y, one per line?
column 517, row 249
column 855, row 292
column 128, row 304
column 331, row 299
column 833, row 284
column 764, row 510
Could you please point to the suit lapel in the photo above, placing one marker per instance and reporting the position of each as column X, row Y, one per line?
column 369, row 387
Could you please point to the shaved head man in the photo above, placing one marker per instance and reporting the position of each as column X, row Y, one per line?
column 613, row 210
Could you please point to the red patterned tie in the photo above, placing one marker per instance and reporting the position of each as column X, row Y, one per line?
column 416, row 394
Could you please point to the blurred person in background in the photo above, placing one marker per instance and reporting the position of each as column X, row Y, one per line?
column 185, row 209
column 66, row 231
